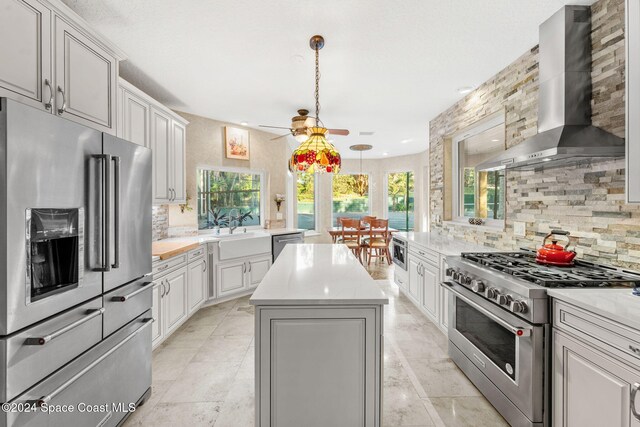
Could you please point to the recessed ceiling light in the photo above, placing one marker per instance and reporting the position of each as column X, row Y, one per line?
column 465, row 90
column 546, row 160
column 404, row 141
column 495, row 140
column 385, row 154
column 244, row 124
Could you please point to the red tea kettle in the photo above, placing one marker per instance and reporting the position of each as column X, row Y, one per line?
column 553, row 253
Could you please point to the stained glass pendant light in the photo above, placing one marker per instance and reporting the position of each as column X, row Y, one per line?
column 316, row 154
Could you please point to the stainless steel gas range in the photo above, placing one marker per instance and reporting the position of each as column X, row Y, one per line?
column 499, row 325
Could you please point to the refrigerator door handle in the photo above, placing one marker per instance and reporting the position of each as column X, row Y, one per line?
column 106, row 212
column 116, row 211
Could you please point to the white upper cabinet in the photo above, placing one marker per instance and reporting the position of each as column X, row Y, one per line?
column 145, row 121
column 25, row 68
column 134, row 118
column 178, row 146
column 52, row 60
column 633, row 101
column 86, row 79
column 160, row 145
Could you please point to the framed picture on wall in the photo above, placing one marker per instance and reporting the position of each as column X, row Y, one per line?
column 236, row 141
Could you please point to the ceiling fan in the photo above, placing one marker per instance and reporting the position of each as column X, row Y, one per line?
column 300, row 124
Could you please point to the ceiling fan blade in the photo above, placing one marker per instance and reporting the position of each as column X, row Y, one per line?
column 275, row 127
column 278, row 137
column 344, row 132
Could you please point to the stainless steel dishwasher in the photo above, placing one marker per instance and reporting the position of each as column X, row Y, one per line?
column 280, row 241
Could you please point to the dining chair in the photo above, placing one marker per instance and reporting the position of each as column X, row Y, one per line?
column 351, row 236
column 377, row 246
column 367, row 219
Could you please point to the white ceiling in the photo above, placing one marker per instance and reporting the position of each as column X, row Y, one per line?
column 387, row 67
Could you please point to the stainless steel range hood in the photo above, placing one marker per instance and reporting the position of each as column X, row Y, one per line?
column 565, row 134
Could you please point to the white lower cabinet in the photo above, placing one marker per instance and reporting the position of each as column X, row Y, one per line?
column 257, row 269
column 230, row 277
column 415, row 279
column 175, row 299
column 443, row 297
column 590, row 387
column 157, row 331
column 237, row 276
column 430, row 284
column 424, row 284
column 197, row 279
column 180, row 290
column 596, row 373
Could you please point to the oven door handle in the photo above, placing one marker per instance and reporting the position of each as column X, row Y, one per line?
column 519, row 331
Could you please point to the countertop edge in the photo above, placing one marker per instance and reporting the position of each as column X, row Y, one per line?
column 316, row 303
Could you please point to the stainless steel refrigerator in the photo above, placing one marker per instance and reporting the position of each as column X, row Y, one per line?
column 75, row 264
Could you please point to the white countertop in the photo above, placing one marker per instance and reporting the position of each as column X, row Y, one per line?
column 619, row 305
column 317, row 274
column 441, row 244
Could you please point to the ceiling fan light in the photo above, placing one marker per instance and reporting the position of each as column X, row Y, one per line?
column 301, row 137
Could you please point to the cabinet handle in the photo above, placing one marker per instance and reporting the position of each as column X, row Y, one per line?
column 204, row 266
column 249, row 263
column 163, row 290
column 632, row 403
column 244, row 267
column 164, row 267
column 49, row 104
column 64, row 102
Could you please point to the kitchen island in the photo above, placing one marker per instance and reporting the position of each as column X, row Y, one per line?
column 318, row 340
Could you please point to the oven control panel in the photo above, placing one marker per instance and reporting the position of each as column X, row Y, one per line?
column 499, row 296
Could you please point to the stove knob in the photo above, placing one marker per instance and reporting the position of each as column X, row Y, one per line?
column 504, row 299
column 467, row 280
column 492, row 293
column 449, row 272
column 519, row 306
column 477, row 286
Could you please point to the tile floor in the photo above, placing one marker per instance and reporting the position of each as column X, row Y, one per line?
column 203, row 374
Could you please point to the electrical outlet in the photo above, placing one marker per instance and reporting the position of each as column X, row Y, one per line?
column 279, row 215
column 520, row 229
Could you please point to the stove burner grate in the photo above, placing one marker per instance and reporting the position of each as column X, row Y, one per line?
column 583, row 274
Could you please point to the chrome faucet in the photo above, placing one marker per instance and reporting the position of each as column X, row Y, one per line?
column 234, row 216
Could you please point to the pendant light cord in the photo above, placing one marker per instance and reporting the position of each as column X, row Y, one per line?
column 317, row 86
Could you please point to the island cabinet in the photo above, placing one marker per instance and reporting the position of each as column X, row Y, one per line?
column 319, row 338
column 595, row 369
column 58, row 63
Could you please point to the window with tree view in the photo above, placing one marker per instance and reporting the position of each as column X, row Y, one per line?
column 400, row 201
column 350, row 196
column 220, row 191
column 481, row 193
column 306, row 195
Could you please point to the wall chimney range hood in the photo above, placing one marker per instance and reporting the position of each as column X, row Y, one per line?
column 565, row 134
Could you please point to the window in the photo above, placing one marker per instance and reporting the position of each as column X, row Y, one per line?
column 306, row 197
column 350, row 196
column 480, row 194
column 219, row 191
column 400, row 201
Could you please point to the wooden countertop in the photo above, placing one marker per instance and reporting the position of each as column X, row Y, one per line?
column 166, row 250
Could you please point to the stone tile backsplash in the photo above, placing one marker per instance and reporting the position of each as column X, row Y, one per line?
column 160, row 221
column 585, row 199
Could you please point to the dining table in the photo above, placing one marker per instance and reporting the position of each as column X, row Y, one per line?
column 336, row 232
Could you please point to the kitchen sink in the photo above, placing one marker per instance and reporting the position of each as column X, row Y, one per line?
column 243, row 245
